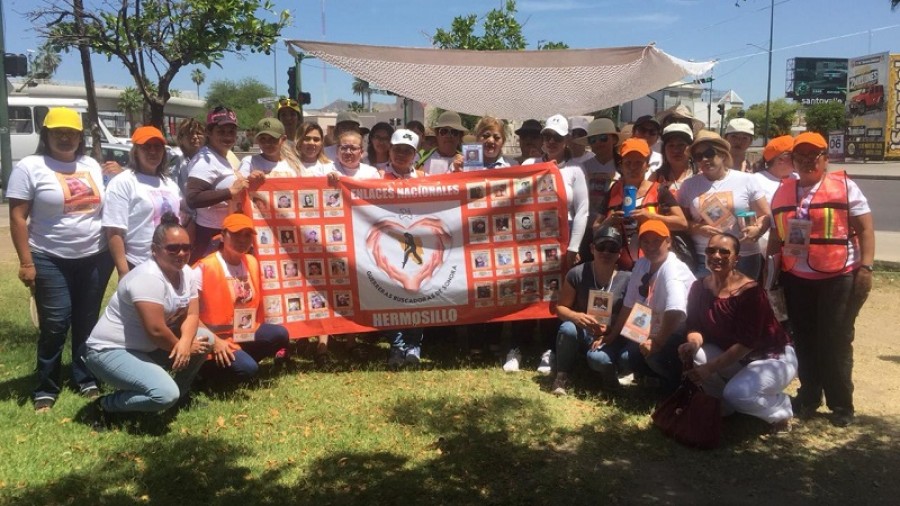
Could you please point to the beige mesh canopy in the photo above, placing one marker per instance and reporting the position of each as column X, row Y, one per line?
column 512, row 85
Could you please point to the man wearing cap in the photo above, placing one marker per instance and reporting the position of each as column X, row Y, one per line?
column 578, row 130
column 739, row 133
column 231, row 302
column 529, row 140
column 826, row 277
column 445, row 157
column 600, row 168
column 661, row 282
column 288, row 113
column 214, row 185
column 347, row 121
column 402, row 156
column 270, row 136
column 647, row 127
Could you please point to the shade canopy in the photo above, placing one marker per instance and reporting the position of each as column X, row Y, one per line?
column 512, row 85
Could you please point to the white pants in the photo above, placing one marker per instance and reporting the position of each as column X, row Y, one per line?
column 756, row 389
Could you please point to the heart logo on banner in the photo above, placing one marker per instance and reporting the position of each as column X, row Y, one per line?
column 428, row 234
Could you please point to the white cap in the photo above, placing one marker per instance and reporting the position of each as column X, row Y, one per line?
column 582, row 122
column 404, row 136
column 739, row 126
column 558, row 124
column 678, row 128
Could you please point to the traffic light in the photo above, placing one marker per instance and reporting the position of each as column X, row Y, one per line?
column 292, row 83
column 305, row 98
column 16, row 65
column 721, row 109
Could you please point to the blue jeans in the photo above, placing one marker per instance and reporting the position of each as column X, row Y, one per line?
column 141, row 379
column 68, row 294
column 611, row 360
column 751, row 265
column 268, row 339
column 664, row 363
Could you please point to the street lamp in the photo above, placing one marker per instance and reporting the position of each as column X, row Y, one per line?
column 769, row 80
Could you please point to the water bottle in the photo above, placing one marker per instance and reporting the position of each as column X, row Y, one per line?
column 629, row 199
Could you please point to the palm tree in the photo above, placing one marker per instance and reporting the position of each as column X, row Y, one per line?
column 362, row 88
column 131, row 103
column 198, row 77
column 46, row 62
column 894, row 4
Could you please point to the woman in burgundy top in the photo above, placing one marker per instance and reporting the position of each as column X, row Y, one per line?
column 740, row 352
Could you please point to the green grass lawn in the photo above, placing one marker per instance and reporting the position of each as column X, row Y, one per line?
column 451, row 432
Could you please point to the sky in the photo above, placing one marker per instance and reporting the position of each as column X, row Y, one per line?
column 736, row 33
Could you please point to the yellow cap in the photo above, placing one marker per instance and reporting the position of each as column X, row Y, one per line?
column 63, row 117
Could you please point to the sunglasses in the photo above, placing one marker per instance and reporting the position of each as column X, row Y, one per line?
column 597, row 138
column 644, row 289
column 446, row 131
column 708, row 153
column 287, row 102
column 177, row 248
column 723, row 252
column 607, row 247
column 349, row 148
column 548, row 137
column 806, row 158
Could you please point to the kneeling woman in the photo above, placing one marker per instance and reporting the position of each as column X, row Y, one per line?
column 150, row 326
column 581, row 332
column 230, row 301
column 740, row 352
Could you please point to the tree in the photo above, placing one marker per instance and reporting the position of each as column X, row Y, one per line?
column 501, row 30
column 364, row 90
column 355, row 107
column 131, row 103
column 781, row 116
column 242, row 97
column 154, row 40
column 45, row 63
column 548, row 46
column 826, row 117
column 198, row 77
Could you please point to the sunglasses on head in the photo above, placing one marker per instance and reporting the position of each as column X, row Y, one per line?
column 708, row 153
column 644, row 289
column 287, row 102
column 445, row 131
column 724, row 252
column 177, row 248
column 597, row 138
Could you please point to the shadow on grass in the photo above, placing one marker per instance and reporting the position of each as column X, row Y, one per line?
column 499, row 450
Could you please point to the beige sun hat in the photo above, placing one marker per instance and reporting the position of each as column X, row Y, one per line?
column 711, row 137
column 680, row 114
column 599, row 126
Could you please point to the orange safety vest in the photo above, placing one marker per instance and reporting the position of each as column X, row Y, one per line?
column 829, row 211
column 650, row 201
column 216, row 300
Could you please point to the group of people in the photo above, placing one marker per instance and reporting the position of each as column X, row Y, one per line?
column 666, row 225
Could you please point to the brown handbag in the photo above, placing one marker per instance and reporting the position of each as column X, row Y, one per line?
column 690, row 416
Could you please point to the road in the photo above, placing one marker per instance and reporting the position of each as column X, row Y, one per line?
column 884, row 199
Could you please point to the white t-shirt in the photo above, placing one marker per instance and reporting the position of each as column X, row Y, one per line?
column 739, row 188
column 576, row 199
column 768, row 184
column 135, row 203
column 209, row 166
column 66, row 199
column 859, row 206
column 364, row 171
column 271, row 169
column 579, row 160
column 120, row 325
column 599, row 177
column 668, row 288
column 317, row 169
column 656, row 161
column 438, row 164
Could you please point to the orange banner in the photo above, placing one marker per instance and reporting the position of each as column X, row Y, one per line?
column 441, row 250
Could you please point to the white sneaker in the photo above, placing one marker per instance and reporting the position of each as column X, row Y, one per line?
column 546, row 365
column 512, row 360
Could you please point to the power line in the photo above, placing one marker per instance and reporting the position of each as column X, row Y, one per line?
column 812, row 42
column 722, row 22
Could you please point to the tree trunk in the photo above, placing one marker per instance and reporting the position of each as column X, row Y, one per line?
column 157, row 114
column 88, row 71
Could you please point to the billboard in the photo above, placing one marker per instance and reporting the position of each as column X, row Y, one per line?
column 867, row 82
column 892, row 147
column 816, row 80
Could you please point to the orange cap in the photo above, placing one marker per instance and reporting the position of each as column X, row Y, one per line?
column 237, row 222
column 777, row 146
column 634, row 144
column 147, row 133
column 655, row 226
column 812, row 138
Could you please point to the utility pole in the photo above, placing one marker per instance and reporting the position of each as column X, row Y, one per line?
column 769, row 87
column 5, row 149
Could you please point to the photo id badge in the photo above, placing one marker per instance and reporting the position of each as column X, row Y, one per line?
column 796, row 243
column 639, row 323
column 600, row 306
